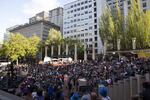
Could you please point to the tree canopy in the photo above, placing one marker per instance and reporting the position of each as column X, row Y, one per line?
column 135, row 24
column 18, row 46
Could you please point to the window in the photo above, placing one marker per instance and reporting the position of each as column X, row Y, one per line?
column 95, row 20
column 86, row 23
column 78, row 4
column 95, row 32
column 75, row 15
column 78, row 9
column 96, row 51
column 95, row 44
column 90, row 39
column 95, row 26
column 95, row 4
column 86, row 7
column 90, row 6
column 90, row 28
column 82, row 8
column 75, row 10
column 72, row 6
column 90, row 16
column 75, row 25
column 86, row 12
column 86, row 1
column 129, row 2
column 94, row 9
column 74, row 20
column 90, row 11
column 95, row 38
column 95, row 15
column 144, row 4
column 82, row 3
column 78, row 19
column 75, row 5
column 86, row 40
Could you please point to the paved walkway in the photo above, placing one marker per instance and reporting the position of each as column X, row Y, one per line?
column 8, row 96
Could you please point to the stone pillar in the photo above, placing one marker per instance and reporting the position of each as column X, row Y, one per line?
column 75, row 52
column 52, row 50
column 59, row 49
column 85, row 52
column 66, row 49
column 105, row 46
column 93, row 51
column 118, row 44
column 46, row 47
column 133, row 43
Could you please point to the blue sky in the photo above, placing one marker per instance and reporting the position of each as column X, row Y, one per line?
column 13, row 12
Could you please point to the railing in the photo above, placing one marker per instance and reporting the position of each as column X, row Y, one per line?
column 128, row 88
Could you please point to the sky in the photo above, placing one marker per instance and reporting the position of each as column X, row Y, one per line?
column 14, row 12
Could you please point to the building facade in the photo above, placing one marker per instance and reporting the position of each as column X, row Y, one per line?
column 126, row 4
column 40, row 16
column 56, row 17
column 81, row 21
column 39, row 28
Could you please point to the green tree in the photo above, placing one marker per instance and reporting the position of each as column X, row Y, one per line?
column 32, row 46
column 137, row 25
column 15, row 47
column 106, row 26
column 118, row 20
column 54, row 37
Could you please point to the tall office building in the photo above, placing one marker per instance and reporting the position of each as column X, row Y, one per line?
column 56, row 17
column 81, row 21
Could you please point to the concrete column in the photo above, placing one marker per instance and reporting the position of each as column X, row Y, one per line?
column 85, row 52
column 59, row 49
column 93, row 51
column 75, row 52
column 105, row 46
column 46, row 47
column 118, row 44
column 66, row 49
column 133, row 43
column 52, row 50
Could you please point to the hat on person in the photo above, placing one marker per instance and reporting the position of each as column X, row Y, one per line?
column 103, row 91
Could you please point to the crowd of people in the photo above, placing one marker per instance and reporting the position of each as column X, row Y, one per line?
column 45, row 82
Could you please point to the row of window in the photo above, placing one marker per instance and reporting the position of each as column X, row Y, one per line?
column 82, row 30
column 79, row 9
column 80, row 3
column 77, row 15
column 83, row 19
